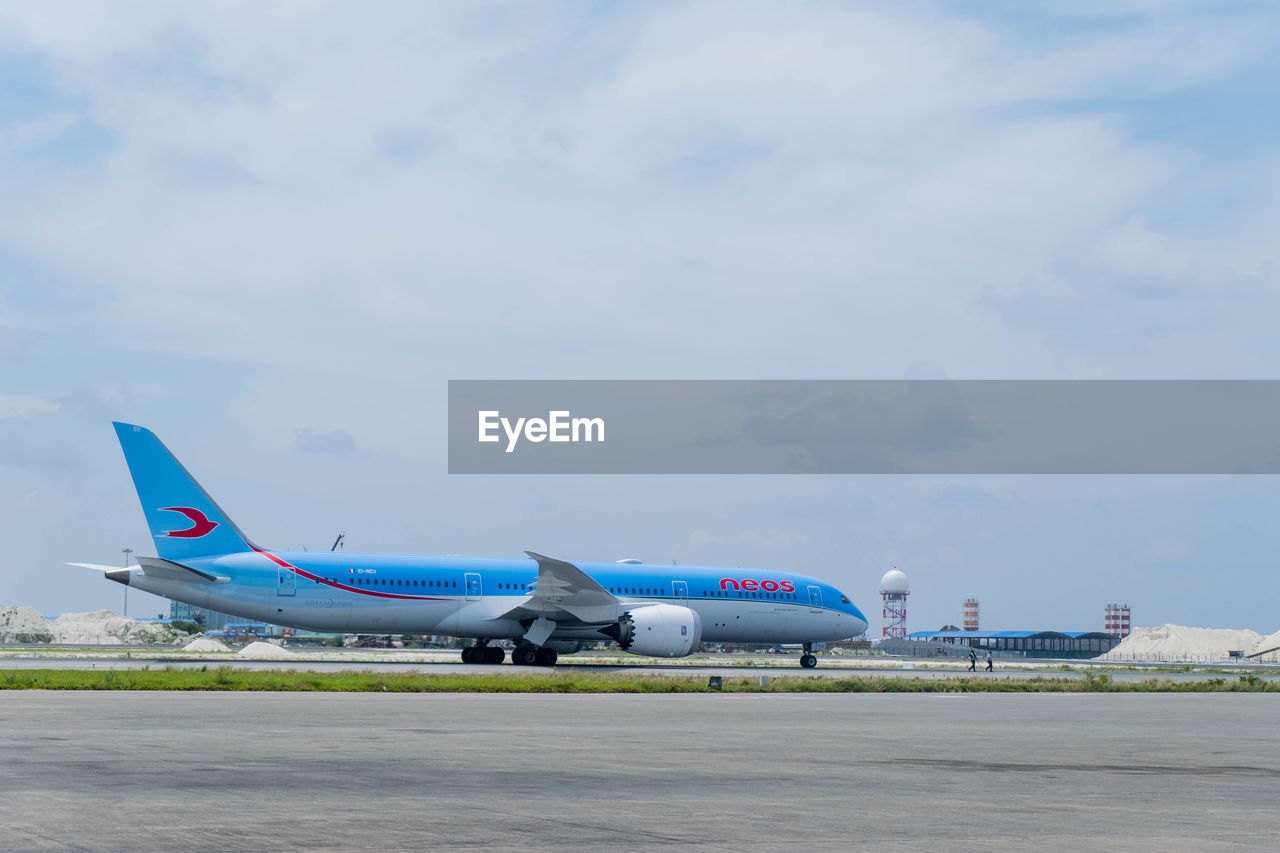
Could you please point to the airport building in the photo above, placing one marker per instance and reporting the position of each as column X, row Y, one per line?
column 212, row 620
column 1032, row 644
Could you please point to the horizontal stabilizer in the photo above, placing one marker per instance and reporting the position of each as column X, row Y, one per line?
column 157, row 568
column 169, row 570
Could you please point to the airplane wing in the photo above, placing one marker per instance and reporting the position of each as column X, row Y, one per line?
column 563, row 588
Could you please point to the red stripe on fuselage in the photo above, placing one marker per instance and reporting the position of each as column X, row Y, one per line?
column 285, row 564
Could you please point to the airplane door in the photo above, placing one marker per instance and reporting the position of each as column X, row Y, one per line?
column 815, row 599
column 473, row 586
column 679, row 589
column 286, row 581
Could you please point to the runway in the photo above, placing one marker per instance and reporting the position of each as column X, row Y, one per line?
column 782, row 668
column 242, row 771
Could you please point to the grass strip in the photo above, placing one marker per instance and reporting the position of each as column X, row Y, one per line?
column 533, row 681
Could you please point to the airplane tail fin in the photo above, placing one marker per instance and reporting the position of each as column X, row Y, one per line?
column 184, row 521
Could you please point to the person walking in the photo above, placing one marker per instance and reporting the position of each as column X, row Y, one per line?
column 989, row 662
column 973, row 661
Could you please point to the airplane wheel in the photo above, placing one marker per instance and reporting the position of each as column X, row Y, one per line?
column 808, row 661
column 525, row 656
column 546, row 657
column 494, row 654
column 469, row 654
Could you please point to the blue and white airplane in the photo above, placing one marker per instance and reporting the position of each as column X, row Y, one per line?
column 543, row 604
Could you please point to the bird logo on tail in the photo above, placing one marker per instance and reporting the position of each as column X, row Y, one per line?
column 200, row 524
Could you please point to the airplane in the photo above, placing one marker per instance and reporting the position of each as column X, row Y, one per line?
column 546, row 606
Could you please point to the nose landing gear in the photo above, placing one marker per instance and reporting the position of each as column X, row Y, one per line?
column 808, row 660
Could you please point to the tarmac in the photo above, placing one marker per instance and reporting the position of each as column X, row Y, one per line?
column 288, row 771
column 726, row 666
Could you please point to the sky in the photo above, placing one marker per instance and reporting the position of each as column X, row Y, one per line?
column 273, row 233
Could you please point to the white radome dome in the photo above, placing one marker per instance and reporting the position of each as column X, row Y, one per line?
column 894, row 581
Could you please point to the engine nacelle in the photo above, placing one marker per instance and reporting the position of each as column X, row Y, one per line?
column 659, row 630
column 565, row 647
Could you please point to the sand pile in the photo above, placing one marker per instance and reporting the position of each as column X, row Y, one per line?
column 1179, row 643
column 204, row 644
column 1268, row 647
column 260, row 649
column 106, row 628
column 23, row 625
column 100, row 628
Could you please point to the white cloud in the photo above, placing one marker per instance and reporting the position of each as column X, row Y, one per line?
column 257, row 217
column 891, row 166
column 21, row 406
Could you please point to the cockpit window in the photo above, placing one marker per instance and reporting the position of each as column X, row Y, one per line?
column 844, row 599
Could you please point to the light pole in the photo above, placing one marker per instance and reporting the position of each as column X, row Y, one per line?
column 127, row 552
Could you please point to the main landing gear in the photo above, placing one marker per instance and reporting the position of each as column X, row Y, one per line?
column 808, row 660
column 524, row 654
column 482, row 652
column 530, row 655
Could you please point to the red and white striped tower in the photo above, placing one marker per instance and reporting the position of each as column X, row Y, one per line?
column 1116, row 620
column 971, row 614
column 894, row 589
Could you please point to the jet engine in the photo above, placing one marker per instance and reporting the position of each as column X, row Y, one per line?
column 659, row 630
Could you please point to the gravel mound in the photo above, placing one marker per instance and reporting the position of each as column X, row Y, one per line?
column 106, row 628
column 23, row 625
column 204, row 644
column 1180, row 643
column 1268, row 647
column 260, row 649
